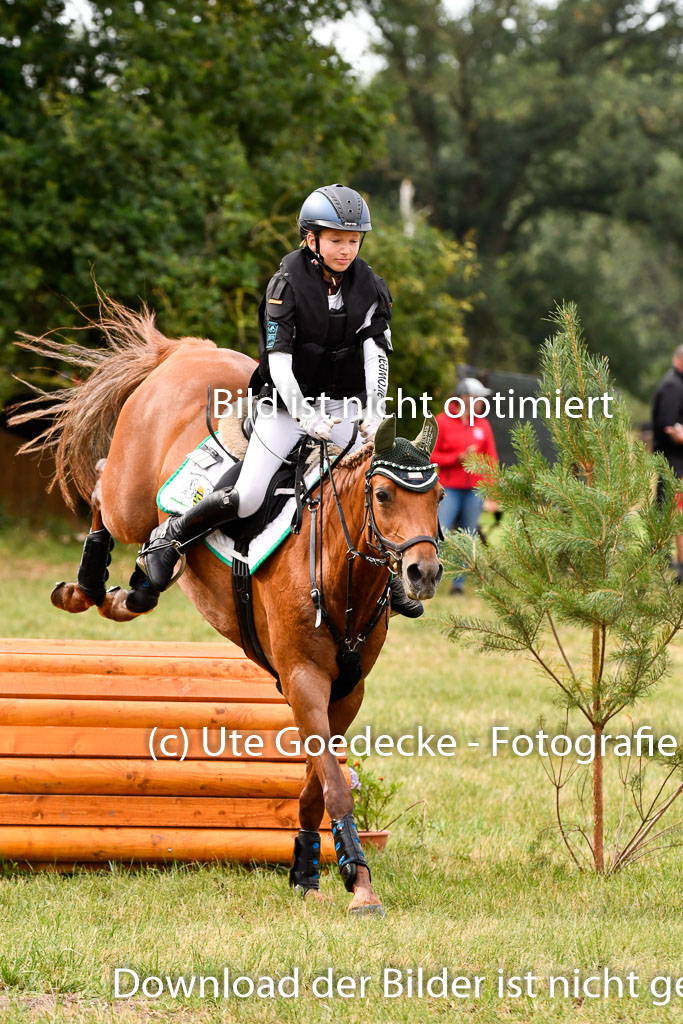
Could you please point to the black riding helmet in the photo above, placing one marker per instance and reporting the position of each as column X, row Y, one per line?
column 337, row 207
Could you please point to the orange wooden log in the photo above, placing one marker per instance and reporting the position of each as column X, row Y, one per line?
column 136, row 665
column 53, row 843
column 115, row 648
column 126, row 777
column 124, row 657
column 158, row 811
column 143, row 714
column 94, row 741
column 74, row 685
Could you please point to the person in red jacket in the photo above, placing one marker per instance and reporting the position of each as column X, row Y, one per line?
column 462, row 505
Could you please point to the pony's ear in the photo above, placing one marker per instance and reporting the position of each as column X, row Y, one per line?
column 426, row 439
column 386, row 434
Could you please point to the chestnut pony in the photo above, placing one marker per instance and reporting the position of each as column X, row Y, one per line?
column 123, row 431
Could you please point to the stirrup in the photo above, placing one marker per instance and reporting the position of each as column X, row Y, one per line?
column 140, row 561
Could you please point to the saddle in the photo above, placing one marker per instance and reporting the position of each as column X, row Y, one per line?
column 280, row 489
column 234, row 434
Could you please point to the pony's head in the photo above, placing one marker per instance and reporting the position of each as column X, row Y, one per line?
column 403, row 497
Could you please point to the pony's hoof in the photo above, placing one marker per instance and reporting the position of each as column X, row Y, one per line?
column 310, row 895
column 314, row 896
column 68, row 597
column 368, row 910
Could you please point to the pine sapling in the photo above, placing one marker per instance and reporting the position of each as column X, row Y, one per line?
column 584, row 543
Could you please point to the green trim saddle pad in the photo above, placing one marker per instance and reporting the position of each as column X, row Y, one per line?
column 197, row 476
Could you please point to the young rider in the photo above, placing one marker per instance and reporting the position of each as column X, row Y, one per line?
column 325, row 337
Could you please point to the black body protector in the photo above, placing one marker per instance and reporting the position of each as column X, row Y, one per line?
column 326, row 345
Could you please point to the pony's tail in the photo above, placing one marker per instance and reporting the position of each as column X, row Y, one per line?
column 83, row 415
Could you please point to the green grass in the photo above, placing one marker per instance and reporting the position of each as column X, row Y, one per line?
column 474, row 890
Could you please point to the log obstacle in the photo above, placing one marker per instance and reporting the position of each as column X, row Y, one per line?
column 78, row 783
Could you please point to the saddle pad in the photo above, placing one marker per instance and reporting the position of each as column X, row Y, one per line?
column 197, row 476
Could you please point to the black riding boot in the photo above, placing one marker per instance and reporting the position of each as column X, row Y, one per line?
column 403, row 604
column 168, row 541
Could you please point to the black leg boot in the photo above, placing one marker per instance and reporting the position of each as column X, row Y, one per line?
column 141, row 596
column 304, row 873
column 158, row 558
column 95, row 560
column 401, row 603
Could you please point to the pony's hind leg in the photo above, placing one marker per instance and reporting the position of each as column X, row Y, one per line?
column 90, row 588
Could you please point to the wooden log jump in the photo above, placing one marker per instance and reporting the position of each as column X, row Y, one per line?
column 78, row 783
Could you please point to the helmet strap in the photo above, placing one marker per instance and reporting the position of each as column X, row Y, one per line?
column 334, row 274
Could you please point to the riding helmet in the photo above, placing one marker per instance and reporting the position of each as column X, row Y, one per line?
column 337, row 207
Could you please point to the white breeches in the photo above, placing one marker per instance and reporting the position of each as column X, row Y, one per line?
column 273, row 438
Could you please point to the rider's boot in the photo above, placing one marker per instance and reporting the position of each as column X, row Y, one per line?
column 403, row 604
column 159, row 556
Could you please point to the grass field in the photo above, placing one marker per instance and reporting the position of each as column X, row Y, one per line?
column 476, row 889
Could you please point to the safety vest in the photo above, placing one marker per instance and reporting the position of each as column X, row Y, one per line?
column 326, row 345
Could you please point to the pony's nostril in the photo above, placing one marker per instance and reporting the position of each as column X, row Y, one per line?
column 439, row 574
column 413, row 573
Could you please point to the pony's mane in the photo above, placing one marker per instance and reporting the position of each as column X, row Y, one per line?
column 346, row 473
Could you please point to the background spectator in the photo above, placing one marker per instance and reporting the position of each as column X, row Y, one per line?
column 462, row 505
column 667, row 429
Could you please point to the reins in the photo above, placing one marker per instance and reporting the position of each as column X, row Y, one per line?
column 346, row 643
column 388, row 556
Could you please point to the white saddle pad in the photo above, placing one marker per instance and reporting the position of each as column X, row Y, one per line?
column 198, row 476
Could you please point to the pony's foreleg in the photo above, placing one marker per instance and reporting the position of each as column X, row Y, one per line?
column 340, row 716
column 90, row 588
column 326, row 787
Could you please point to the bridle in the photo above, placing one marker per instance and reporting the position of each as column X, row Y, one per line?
column 389, row 555
column 385, row 547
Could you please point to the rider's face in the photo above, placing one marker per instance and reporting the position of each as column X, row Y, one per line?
column 337, row 248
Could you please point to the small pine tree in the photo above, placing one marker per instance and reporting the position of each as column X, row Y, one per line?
column 584, row 543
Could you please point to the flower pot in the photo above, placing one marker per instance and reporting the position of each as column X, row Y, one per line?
column 376, row 837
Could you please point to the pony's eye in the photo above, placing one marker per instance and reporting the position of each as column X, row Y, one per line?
column 382, row 496
column 442, row 495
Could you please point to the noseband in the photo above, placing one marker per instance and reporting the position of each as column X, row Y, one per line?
column 385, row 547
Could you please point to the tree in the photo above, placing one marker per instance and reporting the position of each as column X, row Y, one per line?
column 517, row 122
column 429, row 276
column 585, row 543
column 167, row 148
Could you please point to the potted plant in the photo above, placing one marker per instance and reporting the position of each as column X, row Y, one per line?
column 372, row 795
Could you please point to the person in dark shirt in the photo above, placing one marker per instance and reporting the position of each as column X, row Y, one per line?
column 667, row 427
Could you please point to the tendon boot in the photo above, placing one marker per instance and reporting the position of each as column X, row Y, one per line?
column 348, row 849
column 403, row 604
column 93, row 570
column 169, row 541
column 304, row 873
